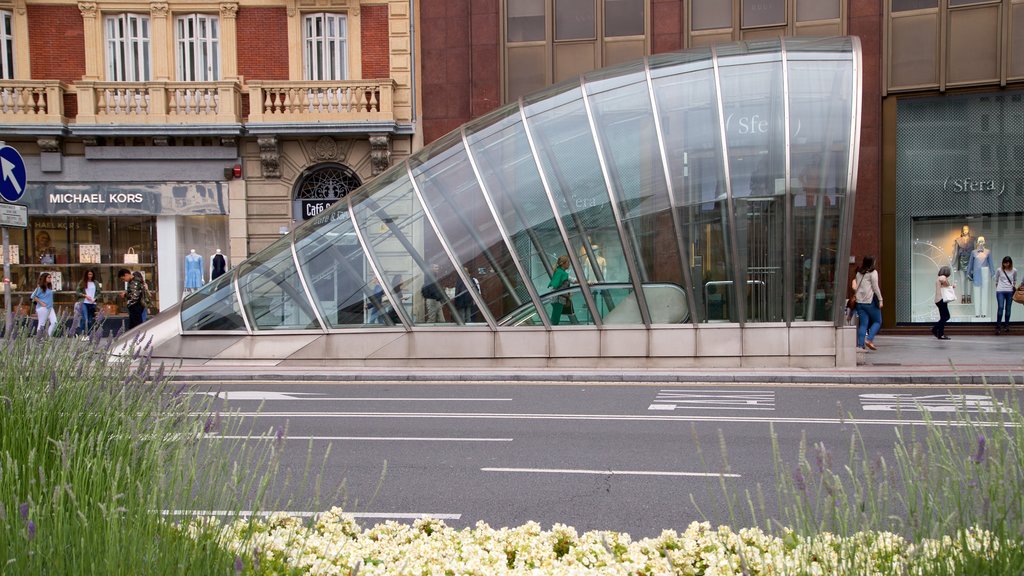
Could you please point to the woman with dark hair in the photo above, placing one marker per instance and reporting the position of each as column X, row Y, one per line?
column 560, row 281
column 1006, row 283
column 87, row 292
column 43, row 298
column 939, row 329
column 869, row 303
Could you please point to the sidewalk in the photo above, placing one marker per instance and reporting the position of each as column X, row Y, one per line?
column 922, row 360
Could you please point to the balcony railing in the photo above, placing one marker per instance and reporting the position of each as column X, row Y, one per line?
column 28, row 102
column 158, row 102
column 333, row 101
column 32, row 102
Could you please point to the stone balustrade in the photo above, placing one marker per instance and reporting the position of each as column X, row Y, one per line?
column 335, row 101
column 32, row 102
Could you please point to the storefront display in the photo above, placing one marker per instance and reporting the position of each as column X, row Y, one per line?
column 959, row 200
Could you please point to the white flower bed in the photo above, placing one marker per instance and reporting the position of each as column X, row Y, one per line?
column 335, row 545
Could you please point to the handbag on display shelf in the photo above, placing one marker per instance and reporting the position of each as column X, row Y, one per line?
column 131, row 256
column 948, row 294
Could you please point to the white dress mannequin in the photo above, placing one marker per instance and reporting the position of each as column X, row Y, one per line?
column 982, row 270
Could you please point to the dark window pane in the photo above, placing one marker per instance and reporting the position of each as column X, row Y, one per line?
column 955, row 3
column 709, row 14
column 764, row 13
column 574, row 19
column 809, row 10
column 525, row 20
column 623, row 18
column 904, row 5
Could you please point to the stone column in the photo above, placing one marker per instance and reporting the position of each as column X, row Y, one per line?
column 159, row 42
column 93, row 32
column 229, row 40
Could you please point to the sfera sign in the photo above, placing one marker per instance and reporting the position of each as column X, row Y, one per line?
column 966, row 185
column 95, row 198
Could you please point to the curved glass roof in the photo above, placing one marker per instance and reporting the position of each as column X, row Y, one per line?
column 711, row 185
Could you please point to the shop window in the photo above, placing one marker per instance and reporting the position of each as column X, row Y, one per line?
column 6, row 45
column 526, row 21
column 758, row 13
column 325, row 49
column 710, row 14
column 907, row 5
column 198, row 44
column 128, row 48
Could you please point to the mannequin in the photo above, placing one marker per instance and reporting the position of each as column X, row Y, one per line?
column 962, row 249
column 218, row 265
column 981, row 272
column 193, row 271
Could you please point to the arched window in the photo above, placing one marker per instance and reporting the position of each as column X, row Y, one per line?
column 321, row 186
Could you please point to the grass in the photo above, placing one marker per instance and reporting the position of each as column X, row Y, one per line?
column 93, row 448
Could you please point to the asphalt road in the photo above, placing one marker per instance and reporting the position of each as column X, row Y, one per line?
column 594, row 456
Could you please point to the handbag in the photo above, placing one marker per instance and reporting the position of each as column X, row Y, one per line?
column 131, row 256
column 567, row 305
column 948, row 294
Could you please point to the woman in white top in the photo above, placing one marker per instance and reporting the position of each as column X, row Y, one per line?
column 869, row 303
column 87, row 292
column 942, row 281
column 1006, row 283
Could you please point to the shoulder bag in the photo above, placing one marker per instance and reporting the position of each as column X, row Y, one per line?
column 948, row 293
column 1018, row 292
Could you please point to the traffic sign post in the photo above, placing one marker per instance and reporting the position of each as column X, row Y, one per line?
column 12, row 188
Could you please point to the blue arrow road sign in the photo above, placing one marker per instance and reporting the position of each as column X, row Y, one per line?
column 12, row 170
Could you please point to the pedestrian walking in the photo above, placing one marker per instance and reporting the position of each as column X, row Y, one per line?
column 43, row 298
column 88, row 290
column 869, row 303
column 560, row 281
column 134, row 296
column 1006, row 283
column 942, row 302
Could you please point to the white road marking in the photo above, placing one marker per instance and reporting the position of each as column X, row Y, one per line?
column 942, row 403
column 607, row 417
column 307, row 514
column 668, row 399
column 612, row 472
column 259, row 395
column 368, row 438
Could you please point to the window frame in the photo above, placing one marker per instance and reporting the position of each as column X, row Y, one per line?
column 200, row 47
column 315, row 70
column 7, row 62
column 124, row 63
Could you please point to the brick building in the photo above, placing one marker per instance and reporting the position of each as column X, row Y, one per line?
column 942, row 117
column 152, row 129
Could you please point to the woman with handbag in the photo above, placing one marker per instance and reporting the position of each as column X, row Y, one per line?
column 944, row 294
column 869, row 303
column 42, row 296
column 1006, row 284
column 559, row 281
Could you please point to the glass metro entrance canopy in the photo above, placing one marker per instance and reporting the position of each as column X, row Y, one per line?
column 706, row 186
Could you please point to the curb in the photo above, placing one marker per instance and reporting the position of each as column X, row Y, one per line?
column 981, row 379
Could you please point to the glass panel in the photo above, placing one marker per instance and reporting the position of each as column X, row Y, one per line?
column 525, row 20
column 526, row 70
column 214, row 307
column 271, row 291
column 624, row 18
column 763, row 13
column 955, row 3
column 565, row 145
column 754, row 130
column 820, row 114
column 404, row 244
column 450, row 188
column 688, row 108
column 904, row 5
column 509, row 172
column 809, row 10
column 625, row 124
column 574, row 19
column 338, row 274
column 710, row 14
